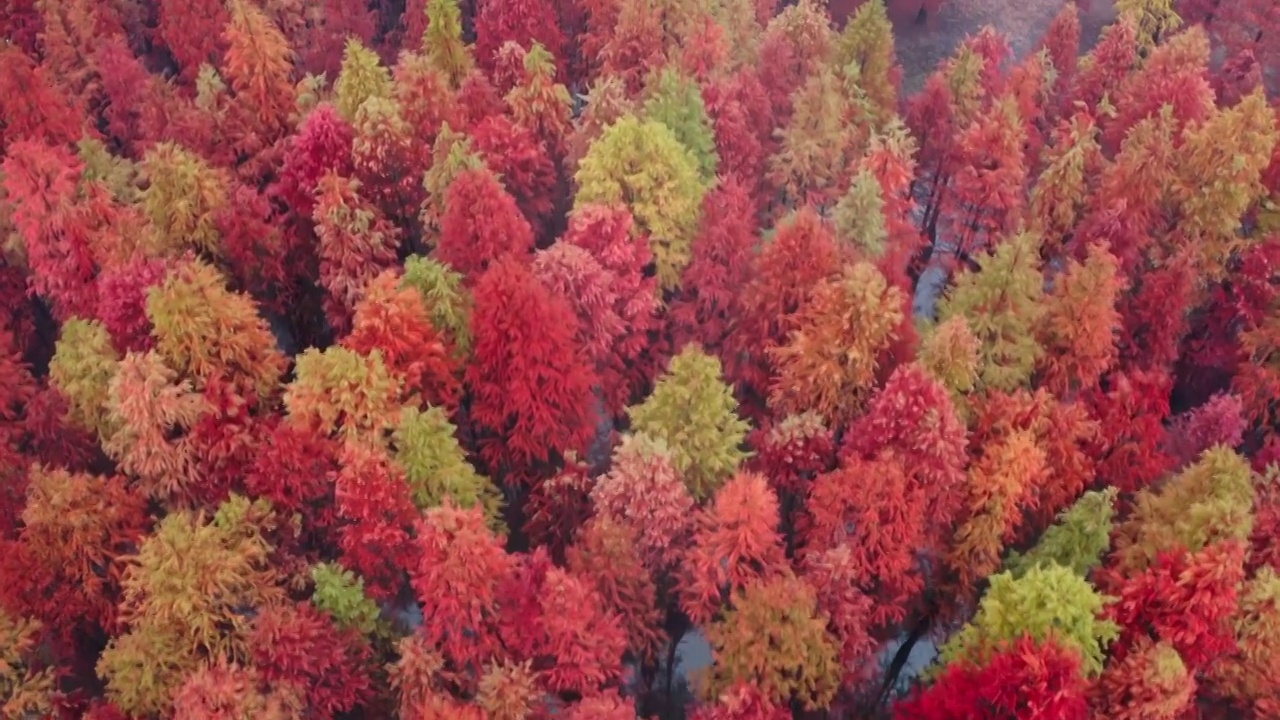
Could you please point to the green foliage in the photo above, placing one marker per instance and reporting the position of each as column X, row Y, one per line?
column 117, row 173
column 867, row 40
column 1077, row 541
column 362, row 77
column 451, row 155
column 189, row 593
column 448, row 302
column 694, row 412
column 675, row 100
column 859, row 215
column 182, row 198
column 775, row 637
column 643, row 165
column 442, row 42
column 1208, row 502
column 340, row 592
column 84, row 361
column 1002, row 302
column 1048, row 601
column 436, row 465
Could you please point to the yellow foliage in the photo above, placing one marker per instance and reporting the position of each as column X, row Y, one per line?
column 84, row 361
column 642, row 165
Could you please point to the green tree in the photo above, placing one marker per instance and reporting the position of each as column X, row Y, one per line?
column 1002, row 302
column 694, row 413
column 643, row 165
column 676, row 101
column 1077, row 541
column 436, row 466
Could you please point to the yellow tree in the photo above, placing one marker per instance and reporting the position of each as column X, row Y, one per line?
column 642, row 165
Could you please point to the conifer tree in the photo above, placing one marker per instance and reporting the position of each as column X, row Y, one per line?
column 1002, row 302
column 531, row 388
column 362, row 77
column 829, row 362
column 643, row 165
column 694, row 413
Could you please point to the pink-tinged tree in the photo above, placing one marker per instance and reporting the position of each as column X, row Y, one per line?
column 585, row 637
column 386, row 158
column 913, row 419
column 837, row 575
column 1130, row 409
column 34, row 108
column 530, row 384
column 795, row 44
column 41, row 184
column 603, row 706
column 192, row 31
column 575, row 275
column 524, row 22
column 606, row 233
column 427, row 101
column 643, row 490
column 481, row 225
column 871, row 509
column 356, row 244
column 709, row 302
column 457, row 578
column 802, row 253
column 735, row 543
column 541, row 104
column 122, row 298
column 607, row 555
column 1021, row 679
column 321, row 144
column 635, row 44
column 1106, row 66
column 155, row 411
column 520, row 158
column 1061, row 42
column 393, row 320
column 1219, row 421
column 372, row 500
column 328, row 24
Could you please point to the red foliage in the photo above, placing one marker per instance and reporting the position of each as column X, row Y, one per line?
column 1220, row 421
column 711, row 285
column 457, row 578
column 1023, row 680
column 558, row 507
column 301, row 646
column 372, row 499
column 802, row 253
column 607, row 234
column 913, row 419
column 871, row 510
column 793, row 452
column 735, row 543
column 481, row 225
column 54, row 442
column 1128, row 449
column 517, row 156
column 33, row 108
column 521, row 21
column 322, row 144
column 394, row 321
column 294, row 469
column 1187, row 599
column 192, row 32
column 742, row 701
column 530, row 384
column 40, row 181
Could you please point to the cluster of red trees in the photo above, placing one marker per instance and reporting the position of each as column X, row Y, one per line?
column 458, row 360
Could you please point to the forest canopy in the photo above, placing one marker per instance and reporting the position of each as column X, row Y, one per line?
column 479, row 359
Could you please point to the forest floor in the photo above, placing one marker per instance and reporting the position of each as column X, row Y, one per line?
column 921, row 47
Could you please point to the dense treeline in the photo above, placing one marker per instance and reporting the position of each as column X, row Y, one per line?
column 430, row 360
